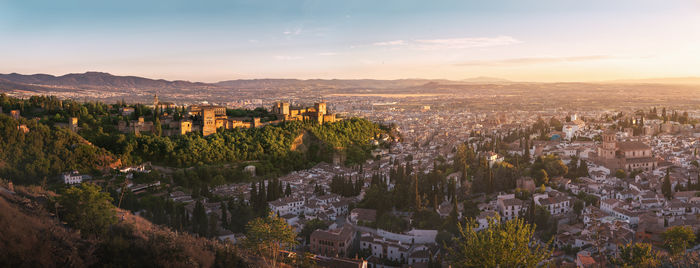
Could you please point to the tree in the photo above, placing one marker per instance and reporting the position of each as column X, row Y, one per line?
column 310, row 227
column 470, row 209
column 541, row 177
column 88, row 209
column 508, row 244
column 224, row 215
column 157, row 128
column 666, row 186
column 200, row 223
column 267, row 236
column 678, row 238
column 620, row 174
column 578, row 207
column 213, row 228
column 636, row 255
column 417, row 198
column 288, row 190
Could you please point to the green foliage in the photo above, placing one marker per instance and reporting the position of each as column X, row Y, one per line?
column 259, row 112
column 44, row 152
column 345, row 186
column 427, row 219
column 350, row 135
column 578, row 206
column 88, row 209
column 678, row 238
column 200, row 222
column 377, row 197
column 470, row 209
column 508, row 244
column 541, row 177
column 310, row 227
column 266, row 236
column 391, row 223
column 666, row 185
column 551, row 164
column 636, row 255
column 589, row 199
column 621, row 174
column 268, row 144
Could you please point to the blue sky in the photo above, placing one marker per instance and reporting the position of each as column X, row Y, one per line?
column 219, row 40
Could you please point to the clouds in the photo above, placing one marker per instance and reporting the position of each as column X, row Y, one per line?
column 288, row 58
column 294, row 31
column 534, row 60
column 451, row 43
column 390, row 43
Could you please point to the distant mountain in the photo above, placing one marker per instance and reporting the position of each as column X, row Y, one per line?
column 97, row 80
column 486, row 80
column 663, row 80
column 6, row 85
column 324, row 83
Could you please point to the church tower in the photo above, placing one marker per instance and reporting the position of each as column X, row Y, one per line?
column 607, row 150
column 155, row 101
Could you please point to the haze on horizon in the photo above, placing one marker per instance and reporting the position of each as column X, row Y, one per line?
column 211, row 41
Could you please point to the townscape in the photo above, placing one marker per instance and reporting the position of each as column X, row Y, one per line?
column 591, row 182
column 350, row 134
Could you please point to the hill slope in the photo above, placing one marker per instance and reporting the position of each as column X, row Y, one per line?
column 98, row 79
column 32, row 237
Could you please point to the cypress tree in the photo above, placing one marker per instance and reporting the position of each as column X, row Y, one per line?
column 666, row 186
column 262, row 194
column 418, row 204
column 224, row 215
column 288, row 190
column 253, row 194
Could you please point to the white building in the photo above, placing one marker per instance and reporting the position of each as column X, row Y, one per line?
column 72, row 177
column 556, row 205
column 287, row 205
column 509, row 206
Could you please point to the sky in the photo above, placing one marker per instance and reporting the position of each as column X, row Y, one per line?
column 209, row 41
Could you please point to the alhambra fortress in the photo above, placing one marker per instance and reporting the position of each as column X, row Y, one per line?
column 207, row 119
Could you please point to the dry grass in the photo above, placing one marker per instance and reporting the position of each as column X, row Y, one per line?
column 31, row 237
column 37, row 240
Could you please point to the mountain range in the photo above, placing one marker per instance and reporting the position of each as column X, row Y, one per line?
column 106, row 80
column 100, row 85
column 95, row 79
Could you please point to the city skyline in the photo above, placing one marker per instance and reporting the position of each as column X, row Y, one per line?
column 544, row 41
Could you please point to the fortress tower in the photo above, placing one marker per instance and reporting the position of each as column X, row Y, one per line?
column 209, row 121
column 320, row 108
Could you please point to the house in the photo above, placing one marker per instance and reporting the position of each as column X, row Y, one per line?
column 363, row 215
column 483, row 219
column 72, row 177
column 632, row 217
column 126, row 111
column 584, row 260
column 608, row 205
column 556, row 205
column 287, row 205
column 509, row 206
column 493, row 158
column 334, row 242
column 382, row 247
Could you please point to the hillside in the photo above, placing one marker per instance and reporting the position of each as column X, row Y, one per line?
column 33, row 237
column 97, row 79
column 662, row 80
column 43, row 151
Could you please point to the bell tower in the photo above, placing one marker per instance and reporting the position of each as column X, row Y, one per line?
column 607, row 150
